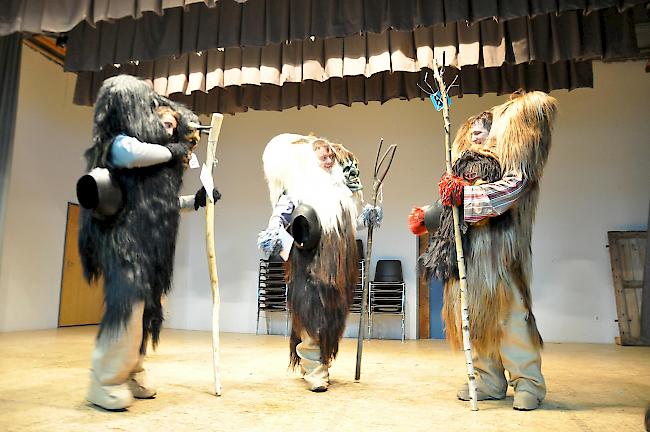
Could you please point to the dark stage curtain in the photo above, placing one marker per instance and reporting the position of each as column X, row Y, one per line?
column 10, row 50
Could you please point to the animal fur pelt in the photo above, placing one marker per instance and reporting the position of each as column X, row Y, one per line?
column 134, row 251
column 498, row 251
column 321, row 285
column 321, row 281
column 439, row 260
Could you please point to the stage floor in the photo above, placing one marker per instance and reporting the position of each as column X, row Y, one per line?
column 404, row 386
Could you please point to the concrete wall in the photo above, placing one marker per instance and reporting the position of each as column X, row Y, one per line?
column 597, row 179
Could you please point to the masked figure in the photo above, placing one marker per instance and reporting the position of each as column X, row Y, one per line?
column 144, row 142
column 315, row 190
column 496, row 184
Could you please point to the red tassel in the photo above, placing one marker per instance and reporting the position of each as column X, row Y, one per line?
column 416, row 221
column 451, row 190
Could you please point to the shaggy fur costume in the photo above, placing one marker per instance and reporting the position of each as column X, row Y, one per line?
column 134, row 250
column 497, row 250
column 321, row 281
column 439, row 260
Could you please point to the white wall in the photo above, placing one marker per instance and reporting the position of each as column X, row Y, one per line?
column 597, row 179
column 51, row 134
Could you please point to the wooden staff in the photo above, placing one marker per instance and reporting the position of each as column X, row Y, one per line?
column 467, row 344
column 378, row 180
column 215, row 128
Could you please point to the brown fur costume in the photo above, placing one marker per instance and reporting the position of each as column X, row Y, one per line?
column 499, row 254
column 321, row 281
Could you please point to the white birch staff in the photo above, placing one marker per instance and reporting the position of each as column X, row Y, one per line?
column 206, row 177
column 467, row 344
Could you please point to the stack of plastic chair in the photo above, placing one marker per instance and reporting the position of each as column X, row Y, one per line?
column 387, row 291
column 355, row 307
column 271, row 291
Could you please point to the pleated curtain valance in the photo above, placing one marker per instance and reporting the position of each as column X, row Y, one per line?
column 263, row 22
column 259, row 23
column 380, row 87
column 547, row 38
column 58, row 16
column 546, row 52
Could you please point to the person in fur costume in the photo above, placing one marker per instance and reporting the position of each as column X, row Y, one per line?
column 495, row 182
column 144, row 140
column 309, row 171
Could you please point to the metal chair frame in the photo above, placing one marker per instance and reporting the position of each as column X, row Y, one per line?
column 262, row 282
column 358, row 293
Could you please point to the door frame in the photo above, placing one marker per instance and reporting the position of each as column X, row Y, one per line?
column 424, row 307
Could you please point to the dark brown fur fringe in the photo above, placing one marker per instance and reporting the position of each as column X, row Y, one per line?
column 321, row 286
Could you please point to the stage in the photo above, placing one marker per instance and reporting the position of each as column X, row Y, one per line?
column 404, row 386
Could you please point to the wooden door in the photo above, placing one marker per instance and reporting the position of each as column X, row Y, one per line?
column 80, row 303
column 627, row 250
column 430, row 300
column 424, row 311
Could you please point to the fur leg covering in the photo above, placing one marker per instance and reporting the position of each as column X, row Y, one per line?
column 321, row 286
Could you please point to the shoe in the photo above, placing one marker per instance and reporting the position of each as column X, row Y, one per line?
column 141, row 386
column 319, row 389
column 318, row 380
column 525, row 401
column 110, row 397
column 463, row 394
column 316, row 384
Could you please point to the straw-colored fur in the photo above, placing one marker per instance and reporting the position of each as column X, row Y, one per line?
column 500, row 255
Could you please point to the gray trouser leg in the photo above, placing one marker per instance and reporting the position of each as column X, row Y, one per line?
column 113, row 360
column 520, row 357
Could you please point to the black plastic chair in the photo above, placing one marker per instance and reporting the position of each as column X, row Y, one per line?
column 389, row 271
column 388, row 292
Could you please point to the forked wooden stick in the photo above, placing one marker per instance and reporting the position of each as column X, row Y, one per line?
column 381, row 164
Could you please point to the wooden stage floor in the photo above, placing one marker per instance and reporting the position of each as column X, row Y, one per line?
column 407, row 386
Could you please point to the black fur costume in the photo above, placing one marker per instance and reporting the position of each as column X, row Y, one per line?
column 134, row 250
column 439, row 260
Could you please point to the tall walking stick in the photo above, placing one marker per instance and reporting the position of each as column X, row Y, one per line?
column 378, row 181
column 206, row 177
column 467, row 344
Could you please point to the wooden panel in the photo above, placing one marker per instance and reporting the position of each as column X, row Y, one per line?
column 628, row 253
column 80, row 303
column 424, row 311
column 645, row 293
column 47, row 45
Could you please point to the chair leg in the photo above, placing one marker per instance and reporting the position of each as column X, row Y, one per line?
column 286, row 325
column 403, row 311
